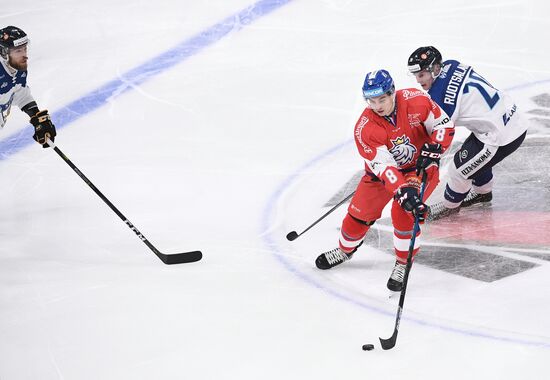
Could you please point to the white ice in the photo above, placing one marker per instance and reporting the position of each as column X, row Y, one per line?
column 226, row 151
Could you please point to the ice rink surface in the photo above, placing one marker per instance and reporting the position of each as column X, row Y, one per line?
column 223, row 125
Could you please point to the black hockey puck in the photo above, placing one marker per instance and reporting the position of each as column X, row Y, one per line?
column 368, row 347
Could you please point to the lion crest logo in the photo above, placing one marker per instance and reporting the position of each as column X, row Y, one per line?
column 402, row 150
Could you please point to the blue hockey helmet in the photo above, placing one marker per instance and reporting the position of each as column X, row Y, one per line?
column 377, row 83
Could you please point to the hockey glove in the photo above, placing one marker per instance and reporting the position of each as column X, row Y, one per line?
column 429, row 155
column 409, row 199
column 43, row 128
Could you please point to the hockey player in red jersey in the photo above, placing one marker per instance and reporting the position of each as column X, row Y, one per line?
column 399, row 135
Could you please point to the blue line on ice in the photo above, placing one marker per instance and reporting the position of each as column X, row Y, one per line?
column 99, row 97
column 272, row 243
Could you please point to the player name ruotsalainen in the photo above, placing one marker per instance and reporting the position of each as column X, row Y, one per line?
column 455, row 83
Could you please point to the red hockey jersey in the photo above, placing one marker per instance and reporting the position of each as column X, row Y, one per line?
column 391, row 145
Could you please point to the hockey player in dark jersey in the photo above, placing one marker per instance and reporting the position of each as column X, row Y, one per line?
column 399, row 134
column 472, row 102
column 13, row 84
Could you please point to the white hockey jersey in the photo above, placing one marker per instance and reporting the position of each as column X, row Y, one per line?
column 13, row 90
column 474, row 103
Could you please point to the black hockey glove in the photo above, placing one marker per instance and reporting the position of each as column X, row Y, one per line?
column 429, row 155
column 408, row 198
column 43, row 128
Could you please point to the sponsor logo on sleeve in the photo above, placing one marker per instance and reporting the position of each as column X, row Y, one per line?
column 408, row 94
column 414, row 119
column 362, row 122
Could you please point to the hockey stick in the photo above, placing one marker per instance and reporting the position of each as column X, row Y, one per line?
column 178, row 258
column 293, row 235
column 390, row 343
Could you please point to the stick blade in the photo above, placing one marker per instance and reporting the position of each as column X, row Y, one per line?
column 181, row 258
column 292, row 235
column 388, row 344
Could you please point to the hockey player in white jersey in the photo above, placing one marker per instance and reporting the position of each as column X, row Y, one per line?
column 472, row 102
column 13, row 84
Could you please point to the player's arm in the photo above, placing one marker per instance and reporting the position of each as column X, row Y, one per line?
column 405, row 194
column 23, row 99
column 30, row 108
column 440, row 127
column 370, row 140
column 43, row 127
column 40, row 120
column 384, row 167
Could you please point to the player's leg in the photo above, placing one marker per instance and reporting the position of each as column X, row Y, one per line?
column 483, row 180
column 365, row 208
column 473, row 171
column 403, row 224
column 473, row 158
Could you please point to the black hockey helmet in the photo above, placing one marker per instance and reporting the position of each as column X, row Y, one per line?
column 424, row 58
column 11, row 37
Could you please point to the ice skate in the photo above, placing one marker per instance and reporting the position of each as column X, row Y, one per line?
column 474, row 198
column 395, row 282
column 438, row 211
column 332, row 258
